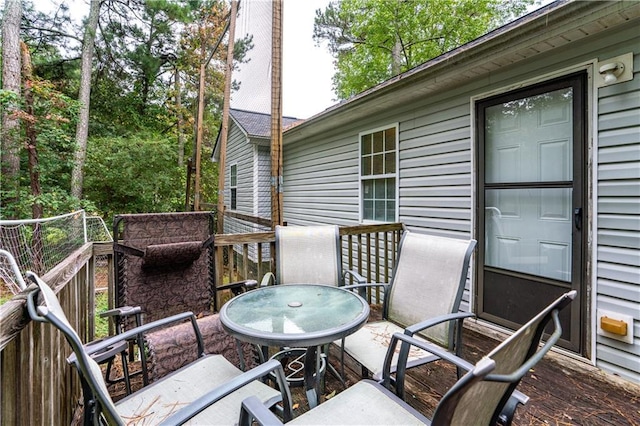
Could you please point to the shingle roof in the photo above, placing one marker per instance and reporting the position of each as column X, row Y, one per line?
column 257, row 124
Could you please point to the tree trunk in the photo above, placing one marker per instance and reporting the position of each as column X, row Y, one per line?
column 37, row 243
column 10, row 132
column 30, row 131
column 396, row 58
column 178, row 88
column 82, row 130
column 199, row 130
column 224, row 134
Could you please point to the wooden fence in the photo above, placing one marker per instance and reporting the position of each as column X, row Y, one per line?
column 38, row 387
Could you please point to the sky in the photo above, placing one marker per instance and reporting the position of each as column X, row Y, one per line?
column 307, row 69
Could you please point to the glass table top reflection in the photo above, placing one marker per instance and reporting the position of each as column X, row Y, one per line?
column 294, row 314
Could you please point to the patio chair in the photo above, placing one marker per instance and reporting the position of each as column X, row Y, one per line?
column 423, row 297
column 307, row 255
column 207, row 391
column 164, row 264
column 480, row 397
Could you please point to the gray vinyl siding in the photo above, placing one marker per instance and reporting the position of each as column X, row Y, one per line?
column 618, row 221
column 263, row 184
column 321, row 181
column 240, row 152
column 253, row 178
column 435, row 169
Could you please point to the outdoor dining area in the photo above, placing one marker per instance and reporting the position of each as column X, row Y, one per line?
column 322, row 337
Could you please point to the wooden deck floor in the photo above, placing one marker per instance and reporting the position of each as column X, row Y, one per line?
column 561, row 393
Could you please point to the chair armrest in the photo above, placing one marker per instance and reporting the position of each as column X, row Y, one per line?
column 268, row 279
column 530, row 362
column 365, row 285
column 118, row 314
column 122, row 311
column 362, row 288
column 505, row 418
column 211, row 397
column 427, row 346
column 359, row 279
column 238, row 287
column 508, row 411
column 254, row 411
column 412, row 329
column 135, row 332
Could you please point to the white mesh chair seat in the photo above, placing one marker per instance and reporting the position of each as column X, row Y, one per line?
column 365, row 403
column 159, row 400
column 369, row 346
column 427, row 284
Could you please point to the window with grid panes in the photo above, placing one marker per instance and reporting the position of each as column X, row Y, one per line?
column 233, row 184
column 378, row 175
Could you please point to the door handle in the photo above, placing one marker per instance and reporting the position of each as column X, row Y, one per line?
column 577, row 217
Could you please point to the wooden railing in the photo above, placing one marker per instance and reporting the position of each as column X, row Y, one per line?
column 370, row 250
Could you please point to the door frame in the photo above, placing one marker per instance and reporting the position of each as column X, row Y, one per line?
column 587, row 298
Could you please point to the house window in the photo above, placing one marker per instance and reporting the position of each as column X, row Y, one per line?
column 378, row 174
column 233, row 184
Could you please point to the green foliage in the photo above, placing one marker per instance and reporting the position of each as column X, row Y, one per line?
column 373, row 40
column 132, row 151
column 141, row 51
column 102, row 305
column 134, row 175
column 53, row 39
column 8, row 99
column 53, row 117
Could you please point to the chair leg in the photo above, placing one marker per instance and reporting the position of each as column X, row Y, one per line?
column 331, row 368
column 458, row 347
column 243, row 367
column 90, row 414
column 364, row 372
column 506, row 416
column 342, row 359
column 143, row 360
column 125, row 372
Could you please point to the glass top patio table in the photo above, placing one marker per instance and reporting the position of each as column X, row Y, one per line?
column 290, row 315
column 294, row 315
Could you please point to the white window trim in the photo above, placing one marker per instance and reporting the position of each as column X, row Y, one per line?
column 231, row 187
column 396, row 176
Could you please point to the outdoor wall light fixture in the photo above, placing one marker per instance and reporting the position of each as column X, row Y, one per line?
column 611, row 71
column 614, row 70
